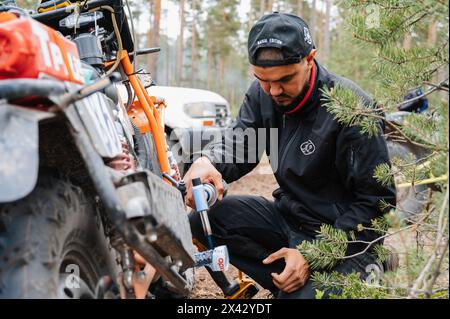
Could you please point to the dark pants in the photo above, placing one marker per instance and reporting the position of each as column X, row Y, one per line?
column 252, row 228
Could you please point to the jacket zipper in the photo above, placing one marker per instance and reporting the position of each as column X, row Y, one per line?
column 286, row 146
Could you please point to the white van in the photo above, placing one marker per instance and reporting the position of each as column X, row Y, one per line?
column 189, row 113
column 192, row 108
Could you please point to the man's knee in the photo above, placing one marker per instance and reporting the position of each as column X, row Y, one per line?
column 223, row 213
column 217, row 215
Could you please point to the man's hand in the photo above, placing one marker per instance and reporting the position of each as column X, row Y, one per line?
column 296, row 272
column 203, row 169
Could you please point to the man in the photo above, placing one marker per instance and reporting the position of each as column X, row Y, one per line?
column 325, row 169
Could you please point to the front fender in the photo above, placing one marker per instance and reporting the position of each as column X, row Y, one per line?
column 19, row 153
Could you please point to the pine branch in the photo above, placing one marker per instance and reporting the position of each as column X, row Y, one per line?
column 324, row 252
column 436, row 272
column 435, row 88
column 443, row 87
column 371, row 243
column 397, row 70
column 352, row 112
column 392, row 7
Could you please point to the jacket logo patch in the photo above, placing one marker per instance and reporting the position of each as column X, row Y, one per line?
column 308, row 147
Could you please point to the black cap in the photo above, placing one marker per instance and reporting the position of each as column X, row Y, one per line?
column 286, row 32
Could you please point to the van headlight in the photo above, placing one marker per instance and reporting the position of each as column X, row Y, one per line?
column 200, row 109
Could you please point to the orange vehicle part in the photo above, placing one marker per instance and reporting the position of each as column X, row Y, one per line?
column 55, row 6
column 141, row 284
column 6, row 16
column 138, row 117
column 146, row 104
column 29, row 49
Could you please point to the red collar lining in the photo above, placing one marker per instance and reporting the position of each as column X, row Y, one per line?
column 308, row 93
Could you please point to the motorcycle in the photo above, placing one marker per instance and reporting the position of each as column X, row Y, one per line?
column 88, row 208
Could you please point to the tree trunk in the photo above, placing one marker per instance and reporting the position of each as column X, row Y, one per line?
column 327, row 32
column 210, row 62
column 299, row 8
column 269, row 6
column 432, row 33
column 438, row 77
column 194, row 44
column 148, row 58
column 180, row 45
column 313, row 20
column 321, row 36
column 407, row 41
column 167, row 63
column 222, row 71
column 262, row 9
column 156, row 36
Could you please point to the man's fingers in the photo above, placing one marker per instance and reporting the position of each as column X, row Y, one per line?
column 282, row 285
column 286, row 276
column 205, row 170
column 295, row 273
column 275, row 282
column 189, row 198
column 219, row 186
column 292, row 284
column 275, row 256
column 189, row 202
column 297, row 281
column 293, row 287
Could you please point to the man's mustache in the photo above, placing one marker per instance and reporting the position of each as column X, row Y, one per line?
column 282, row 95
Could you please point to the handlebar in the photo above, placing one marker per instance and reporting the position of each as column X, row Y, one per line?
column 19, row 88
column 148, row 51
column 66, row 11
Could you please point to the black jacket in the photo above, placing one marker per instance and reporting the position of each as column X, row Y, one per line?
column 325, row 169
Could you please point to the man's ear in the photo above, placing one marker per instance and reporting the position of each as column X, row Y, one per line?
column 311, row 55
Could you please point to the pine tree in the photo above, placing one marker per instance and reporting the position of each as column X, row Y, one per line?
column 382, row 28
column 221, row 35
column 155, row 38
column 180, row 44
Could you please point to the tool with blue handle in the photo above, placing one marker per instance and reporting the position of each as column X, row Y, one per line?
column 205, row 196
column 201, row 206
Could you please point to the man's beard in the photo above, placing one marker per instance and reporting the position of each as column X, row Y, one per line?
column 295, row 102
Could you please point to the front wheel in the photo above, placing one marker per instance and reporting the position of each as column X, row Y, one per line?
column 52, row 244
